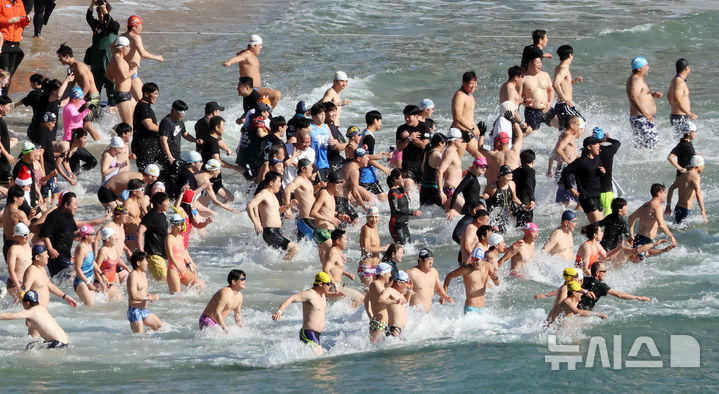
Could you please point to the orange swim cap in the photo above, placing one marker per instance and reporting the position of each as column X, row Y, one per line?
column 265, row 99
column 134, row 21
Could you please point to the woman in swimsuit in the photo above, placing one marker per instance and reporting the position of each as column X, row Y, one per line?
column 181, row 269
column 86, row 269
column 109, row 259
column 592, row 251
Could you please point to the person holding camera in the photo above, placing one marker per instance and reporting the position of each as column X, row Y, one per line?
column 99, row 54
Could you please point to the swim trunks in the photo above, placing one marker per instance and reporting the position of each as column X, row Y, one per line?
column 54, row 344
column 121, row 97
column 206, row 321
column 305, row 228
column 535, row 117
column 50, row 187
column 377, row 325
column 564, row 112
column 393, row 331
column 137, row 314
column 640, row 240
column 564, row 195
column 134, row 76
column 310, row 337
column 448, row 191
column 645, row 134
column 474, row 309
column 677, row 121
column 105, row 195
column 373, row 188
column 274, row 238
column 366, row 271
column 343, row 207
column 590, row 204
column 606, row 199
column 129, row 237
column 157, row 266
column 681, row 213
column 322, row 235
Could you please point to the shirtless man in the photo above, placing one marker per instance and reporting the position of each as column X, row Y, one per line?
column 463, row 103
column 264, row 211
column 524, row 252
column 351, row 172
column 314, row 304
column 333, row 93
column 12, row 215
column 227, row 299
column 138, row 296
column 651, row 218
column 502, row 153
column 119, row 72
column 512, row 89
column 476, row 275
column 472, row 235
column 112, row 189
column 39, row 317
column 449, row 173
column 565, row 151
column 370, row 246
column 250, row 67
column 136, row 206
column 425, row 282
column 561, row 242
column 303, row 191
column 377, row 313
column 689, row 184
column 393, row 298
column 642, row 107
column 19, row 257
column 568, row 306
column 324, row 214
column 678, row 96
column 538, row 94
column 85, row 80
column 137, row 53
column 564, row 109
column 204, row 180
column 335, row 263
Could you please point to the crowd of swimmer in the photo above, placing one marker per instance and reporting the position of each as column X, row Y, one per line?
column 307, row 168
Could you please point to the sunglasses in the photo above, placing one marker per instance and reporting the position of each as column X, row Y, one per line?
column 243, row 279
column 483, row 167
column 603, row 271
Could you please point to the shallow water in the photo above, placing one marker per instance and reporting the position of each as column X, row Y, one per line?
column 395, row 54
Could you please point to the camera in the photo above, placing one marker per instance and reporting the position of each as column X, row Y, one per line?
column 100, row 3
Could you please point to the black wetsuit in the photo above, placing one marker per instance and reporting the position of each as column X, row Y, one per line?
column 334, row 156
column 399, row 209
column 587, row 174
column 145, row 143
column 599, row 288
column 470, row 189
column 684, row 151
column 429, row 192
column 5, row 168
column 502, row 200
column 606, row 153
column 34, row 100
column 615, row 227
column 98, row 55
column 412, row 154
column 525, row 181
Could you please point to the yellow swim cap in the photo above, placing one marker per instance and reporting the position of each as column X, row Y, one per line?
column 322, row 277
column 569, row 273
column 574, row 286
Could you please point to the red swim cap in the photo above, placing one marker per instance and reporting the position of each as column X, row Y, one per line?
column 134, row 21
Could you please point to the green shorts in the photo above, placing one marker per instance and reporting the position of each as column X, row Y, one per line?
column 606, row 198
column 322, row 235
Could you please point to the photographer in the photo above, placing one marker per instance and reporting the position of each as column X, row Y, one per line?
column 99, row 54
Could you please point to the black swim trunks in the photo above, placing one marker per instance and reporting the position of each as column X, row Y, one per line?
column 121, row 97
column 374, row 188
column 590, row 204
column 274, row 238
column 535, row 117
column 46, row 345
column 564, row 112
column 343, row 207
column 105, row 195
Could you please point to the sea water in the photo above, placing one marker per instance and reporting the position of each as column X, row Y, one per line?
column 397, row 53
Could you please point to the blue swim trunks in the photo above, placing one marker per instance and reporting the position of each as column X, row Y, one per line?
column 137, row 314
column 310, row 337
column 304, row 228
column 681, row 213
column 472, row 309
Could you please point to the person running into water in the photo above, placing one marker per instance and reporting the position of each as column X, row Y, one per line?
column 138, row 296
column 688, row 185
column 227, row 299
column 109, row 259
column 476, row 275
column 137, row 53
column 678, row 96
column 250, row 67
column 394, row 299
column 41, row 320
column 425, row 282
column 87, row 271
column 181, row 268
column 568, row 307
column 642, row 107
column 651, row 217
column 561, row 242
column 264, row 212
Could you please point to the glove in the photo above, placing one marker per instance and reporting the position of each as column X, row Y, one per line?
column 84, row 107
column 510, row 117
column 482, row 127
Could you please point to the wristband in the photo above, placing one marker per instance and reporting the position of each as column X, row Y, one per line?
column 63, row 296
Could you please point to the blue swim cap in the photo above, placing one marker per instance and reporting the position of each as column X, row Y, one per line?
column 639, row 62
column 76, row 92
column 31, row 297
column 125, row 195
column 478, row 253
column 598, row 133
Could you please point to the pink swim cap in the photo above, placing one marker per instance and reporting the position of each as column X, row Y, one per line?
column 529, row 227
column 479, row 162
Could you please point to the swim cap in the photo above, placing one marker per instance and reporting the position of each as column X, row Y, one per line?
column 31, row 297
column 255, row 40
column 152, row 170
column 125, row 195
column 503, row 138
column 120, row 209
column 117, row 142
column 508, row 105
column 106, row 233
column 158, row 187
column 401, row 276
column 425, row 253
column 302, row 163
column 359, row 152
column 568, row 215
column 27, row 147
column 688, row 127
column 373, row 211
column 639, row 62
column 121, row 42
column 495, row 239
column 134, row 21
column 696, row 161
column 193, row 157
column 213, row 165
column 86, row 230
column 49, row 117
column 480, row 162
column 574, row 286
column 598, row 133
column 478, row 254
column 426, row 104
column 38, row 249
column 275, row 162
column 76, row 92
column 530, row 227
column 322, row 277
column 177, row 218
column 341, row 76
column 569, row 273
column 383, row 268
column 453, row 134
column 20, row 230
column 333, row 177
column 352, row 131
column 504, row 170
column 301, row 107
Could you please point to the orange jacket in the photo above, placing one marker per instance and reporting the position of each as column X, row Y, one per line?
column 12, row 32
